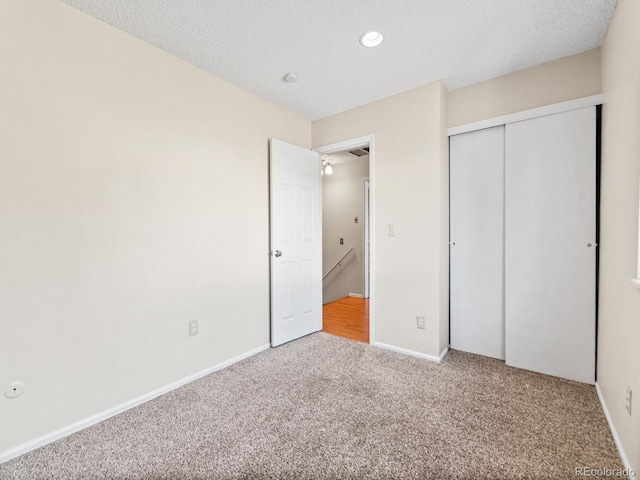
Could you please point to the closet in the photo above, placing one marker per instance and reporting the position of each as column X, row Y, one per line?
column 477, row 242
column 523, row 243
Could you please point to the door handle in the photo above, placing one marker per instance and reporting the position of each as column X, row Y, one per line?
column 277, row 253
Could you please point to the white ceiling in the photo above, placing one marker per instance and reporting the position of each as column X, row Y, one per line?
column 254, row 43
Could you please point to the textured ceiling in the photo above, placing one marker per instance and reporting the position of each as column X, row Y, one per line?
column 254, row 43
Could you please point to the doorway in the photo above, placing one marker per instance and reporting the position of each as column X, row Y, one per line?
column 348, row 260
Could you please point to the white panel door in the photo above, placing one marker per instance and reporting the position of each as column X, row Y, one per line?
column 296, row 242
column 550, row 256
column 477, row 236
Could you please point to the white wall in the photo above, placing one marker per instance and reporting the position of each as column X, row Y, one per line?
column 409, row 170
column 444, row 222
column 619, row 314
column 564, row 79
column 342, row 200
column 133, row 198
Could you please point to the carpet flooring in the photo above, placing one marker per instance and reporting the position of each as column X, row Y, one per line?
column 324, row 407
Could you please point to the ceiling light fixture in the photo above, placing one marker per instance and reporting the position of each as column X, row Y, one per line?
column 371, row 39
column 327, row 169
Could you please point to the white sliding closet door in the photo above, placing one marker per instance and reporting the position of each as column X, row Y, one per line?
column 550, row 255
column 477, row 242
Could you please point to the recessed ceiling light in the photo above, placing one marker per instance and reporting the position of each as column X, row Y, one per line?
column 371, row 39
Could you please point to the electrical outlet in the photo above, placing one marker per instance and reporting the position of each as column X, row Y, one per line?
column 627, row 402
column 341, row 241
column 392, row 230
column 193, row 327
column 420, row 321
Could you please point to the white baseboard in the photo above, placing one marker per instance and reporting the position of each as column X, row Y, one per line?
column 614, row 432
column 99, row 417
column 412, row 353
column 443, row 354
column 356, row 295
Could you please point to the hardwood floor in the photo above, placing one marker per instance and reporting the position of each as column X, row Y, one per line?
column 347, row 317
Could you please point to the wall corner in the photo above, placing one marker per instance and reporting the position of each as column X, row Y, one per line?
column 444, row 222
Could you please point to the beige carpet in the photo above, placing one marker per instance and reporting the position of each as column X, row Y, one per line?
column 323, row 407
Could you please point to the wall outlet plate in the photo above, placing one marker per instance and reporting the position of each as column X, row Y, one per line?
column 420, row 320
column 193, row 327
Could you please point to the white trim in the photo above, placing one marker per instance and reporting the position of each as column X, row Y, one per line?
column 443, row 354
column 636, row 281
column 412, row 353
column 99, row 417
column 367, row 236
column 355, row 295
column 359, row 142
column 528, row 114
column 343, row 145
column 614, row 432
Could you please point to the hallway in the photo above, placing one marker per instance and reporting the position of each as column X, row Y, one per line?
column 347, row 317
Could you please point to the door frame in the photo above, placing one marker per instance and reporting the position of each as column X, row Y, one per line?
column 352, row 144
column 367, row 235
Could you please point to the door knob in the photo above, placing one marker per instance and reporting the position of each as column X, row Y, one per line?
column 278, row 253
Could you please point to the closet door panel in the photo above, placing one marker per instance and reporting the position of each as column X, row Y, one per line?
column 476, row 234
column 550, row 252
